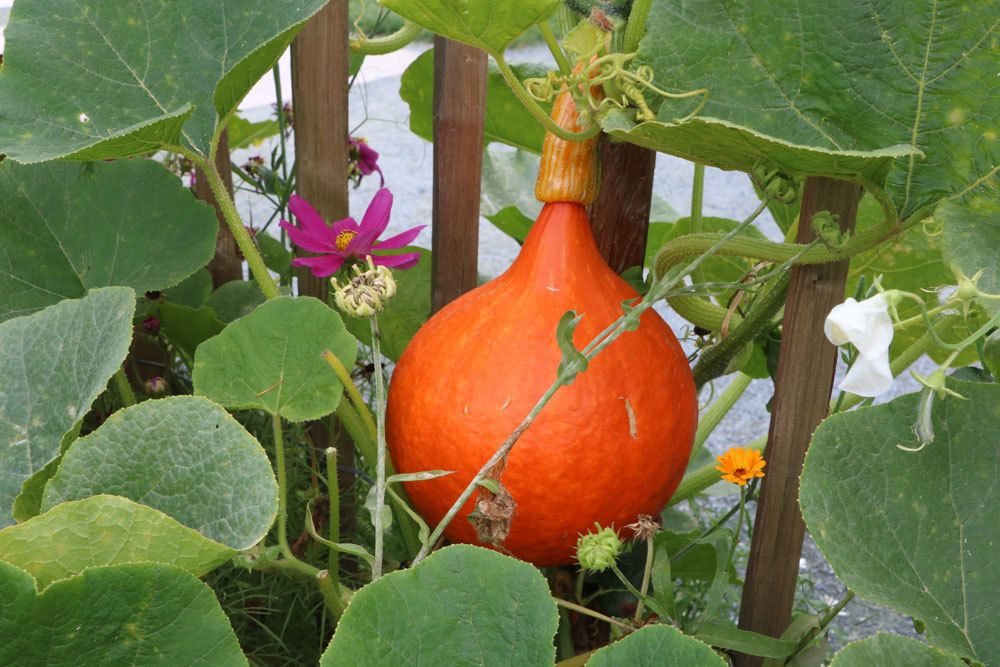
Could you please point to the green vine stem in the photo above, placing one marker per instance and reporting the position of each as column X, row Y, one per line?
column 380, row 451
column 715, row 360
column 328, row 588
column 570, row 368
column 636, row 26
column 647, row 572
column 333, row 492
column 697, row 198
column 378, row 46
column 536, row 110
column 352, row 391
column 587, row 611
column 714, row 413
column 124, row 388
column 246, row 245
column 557, row 52
column 702, row 313
column 279, row 464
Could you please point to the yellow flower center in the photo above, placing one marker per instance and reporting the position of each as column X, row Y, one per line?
column 343, row 238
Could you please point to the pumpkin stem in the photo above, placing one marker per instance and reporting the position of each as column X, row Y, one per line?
column 568, row 171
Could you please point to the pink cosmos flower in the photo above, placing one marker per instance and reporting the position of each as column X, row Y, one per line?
column 364, row 160
column 346, row 239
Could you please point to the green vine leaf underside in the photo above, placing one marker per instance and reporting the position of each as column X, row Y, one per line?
column 485, row 24
column 66, row 228
column 883, row 649
column 657, row 644
column 506, row 121
column 184, row 456
column 462, row 605
column 105, row 530
column 914, row 530
column 272, row 360
column 900, row 92
column 88, row 79
column 135, row 614
column 971, row 239
column 53, row 364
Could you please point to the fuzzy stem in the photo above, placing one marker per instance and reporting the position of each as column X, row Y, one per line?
column 279, row 464
column 550, row 40
column 352, row 391
column 124, row 388
column 377, row 46
column 697, row 197
column 601, row 341
column 328, row 588
column 333, row 492
column 712, row 415
column 646, row 574
column 529, row 102
column 636, row 26
column 380, row 451
column 586, row 611
column 246, row 245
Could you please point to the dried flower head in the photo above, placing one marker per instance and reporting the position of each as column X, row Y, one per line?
column 367, row 292
column 644, row 527
column 740, row 465
column 597, row 551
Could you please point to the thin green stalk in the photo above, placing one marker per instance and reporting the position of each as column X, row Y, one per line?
column 352, row 391
column 557, row 52
column 564, row 637
column 697, row 197
column 601, row 341
column 714, row 413
column 625, row 582
column 536, row 110
column 246, row 245
column 124, row 388
column 636, row 26
column 824, row 622
column 279, row 464
column 377, row 46
column 380, row 452
column 333, row 492
column 587, row 611
column 646, row 574
column 276, row 71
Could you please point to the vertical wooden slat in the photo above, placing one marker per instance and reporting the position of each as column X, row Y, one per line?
column 226, row 265
column 804, row 380
column 319, row 86
column 320, row 58
column 459, row 109
column 619, row 217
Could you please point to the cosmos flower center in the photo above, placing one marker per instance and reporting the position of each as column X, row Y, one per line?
column 344, row 238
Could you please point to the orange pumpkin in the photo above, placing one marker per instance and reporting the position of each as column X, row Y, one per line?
column 612, row 445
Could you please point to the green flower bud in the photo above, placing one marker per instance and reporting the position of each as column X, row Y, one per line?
column 598, row 551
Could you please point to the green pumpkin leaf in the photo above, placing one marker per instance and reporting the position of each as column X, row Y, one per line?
column 507, row 195
column 53, row 364
column 912, row 530
column 66, row 228
column 904, row 95
column 462, row 605
column 134, row 614
column 272, row 360
column 193, row 291
column 87, row 79
column 883, row 649
column 485, row 24
column 184, row 456
column 406, row 312
column 105, row 530
column 657, row 644
column 235, row 299
column 507, row 121
column 185, row 327
column 276, row 256
column 971, row 242
column 242, row 133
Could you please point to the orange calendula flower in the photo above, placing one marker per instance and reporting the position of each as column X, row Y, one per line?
column 740, row 465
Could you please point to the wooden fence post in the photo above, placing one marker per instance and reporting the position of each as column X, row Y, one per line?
column 459, row 111
column 227, row 264
column 619, row 217
column 804, row 380
column 320, row 58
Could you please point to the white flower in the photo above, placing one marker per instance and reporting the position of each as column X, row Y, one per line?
column 867, row 326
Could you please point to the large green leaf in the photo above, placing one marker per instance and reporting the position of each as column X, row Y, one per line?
column 90, row 79
column 186, row 328
column 235, row 299
column 657, row 645
column 272, row 360
column 463, row 605
column 486, row 24
column 407, row 311
column 53, row 364
column 914, row 530
column 135, row 614
column 902, row 91
column 971, row 242
column 884, row 650
column 184, row 456
column 105, row 530
column 66, row 228
column 506, row 121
